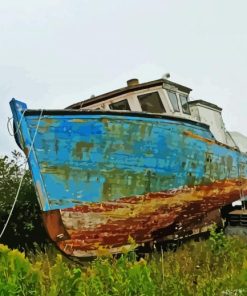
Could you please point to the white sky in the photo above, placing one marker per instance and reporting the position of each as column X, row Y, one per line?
column 54, row 53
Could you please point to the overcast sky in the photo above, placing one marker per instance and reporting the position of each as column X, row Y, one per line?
column 54, row 53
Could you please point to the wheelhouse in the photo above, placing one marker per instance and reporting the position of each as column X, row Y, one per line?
column 160, row 96
column 164, row 97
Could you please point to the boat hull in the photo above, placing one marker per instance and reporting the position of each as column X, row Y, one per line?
column 111, row 227
column 104, row 180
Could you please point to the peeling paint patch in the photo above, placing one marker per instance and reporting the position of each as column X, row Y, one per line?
column 99, row 158
column 77, row 120
column 80, row 148
column 146, row 218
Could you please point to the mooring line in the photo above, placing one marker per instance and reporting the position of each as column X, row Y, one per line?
column 22, row 178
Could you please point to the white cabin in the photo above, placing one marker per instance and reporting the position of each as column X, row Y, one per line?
column 167, row 98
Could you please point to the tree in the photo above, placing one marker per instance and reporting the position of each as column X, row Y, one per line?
column 25, row 226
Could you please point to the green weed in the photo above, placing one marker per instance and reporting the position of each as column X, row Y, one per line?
column 217, row 266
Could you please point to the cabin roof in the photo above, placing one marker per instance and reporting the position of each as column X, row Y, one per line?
column 205, row 103
column 125, row 90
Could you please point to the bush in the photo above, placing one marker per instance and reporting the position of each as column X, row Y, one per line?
column 194, row 269
column 104, row 276
column 123, row 276
column 25, row 225
column 17, row 275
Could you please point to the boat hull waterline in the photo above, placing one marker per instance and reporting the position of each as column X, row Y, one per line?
column 104, row 179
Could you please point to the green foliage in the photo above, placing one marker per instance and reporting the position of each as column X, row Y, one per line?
column 196, row 268
column 25, row 226
column 202, row 268
column 125, row 276
column 219, row 242
column 63, row 279
column 17, row 275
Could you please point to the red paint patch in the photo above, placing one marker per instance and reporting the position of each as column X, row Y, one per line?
column 147, row 218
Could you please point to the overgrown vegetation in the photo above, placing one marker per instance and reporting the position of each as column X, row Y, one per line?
column 217, row 266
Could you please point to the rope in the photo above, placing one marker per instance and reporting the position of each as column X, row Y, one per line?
column 22, row 178
column 12, row 133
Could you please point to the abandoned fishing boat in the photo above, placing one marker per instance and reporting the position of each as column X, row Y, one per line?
column 142, row 163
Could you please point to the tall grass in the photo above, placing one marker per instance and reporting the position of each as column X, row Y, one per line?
column 217, row 266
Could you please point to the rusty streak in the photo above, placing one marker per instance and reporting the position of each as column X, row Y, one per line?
column 208, row 141
column 146, row 218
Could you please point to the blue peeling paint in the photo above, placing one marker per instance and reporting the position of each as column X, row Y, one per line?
column 91, row 158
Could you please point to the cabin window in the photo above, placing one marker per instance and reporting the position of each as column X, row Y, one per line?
column 151, row 103
column 184, row 103
column 121, row 105
column 174, row 100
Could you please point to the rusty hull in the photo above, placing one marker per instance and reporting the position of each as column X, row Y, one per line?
column 92, row 228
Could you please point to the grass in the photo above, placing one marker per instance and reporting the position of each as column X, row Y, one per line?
column 217, row 266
